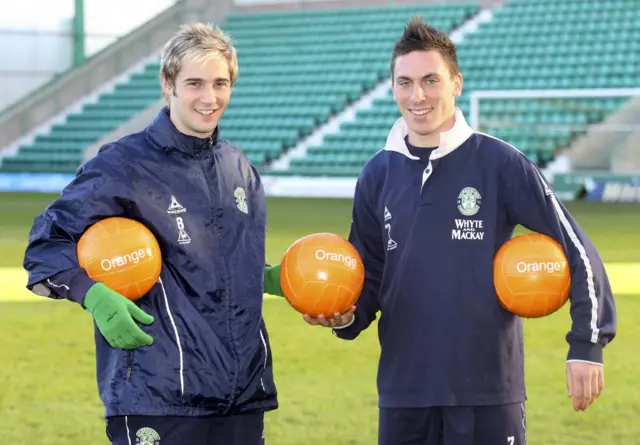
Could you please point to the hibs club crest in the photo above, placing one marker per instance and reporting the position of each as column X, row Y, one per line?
column 469, row 201
column 147, row 436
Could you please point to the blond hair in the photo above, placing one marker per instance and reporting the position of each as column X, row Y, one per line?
column 199, row 42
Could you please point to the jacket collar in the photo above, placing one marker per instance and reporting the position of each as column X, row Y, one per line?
column 449, row 140
column 166, row 136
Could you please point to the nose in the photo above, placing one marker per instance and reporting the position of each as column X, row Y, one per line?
column 207, row 96
column 418, row 94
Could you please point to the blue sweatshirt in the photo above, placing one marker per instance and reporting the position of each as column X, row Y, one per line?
column 427, row 231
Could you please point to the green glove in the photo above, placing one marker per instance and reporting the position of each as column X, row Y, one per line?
column 272, row 280
column 114, row 315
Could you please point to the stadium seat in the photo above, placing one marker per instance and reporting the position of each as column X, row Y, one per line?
column 529, row 44
column 297, row 69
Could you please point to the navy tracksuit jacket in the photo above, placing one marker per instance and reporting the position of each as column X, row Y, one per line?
column 428, row 233
column 205, row 204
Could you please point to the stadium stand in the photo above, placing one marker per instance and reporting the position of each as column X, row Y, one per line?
column 296, row 70
column 299, row 68
column 529, row 44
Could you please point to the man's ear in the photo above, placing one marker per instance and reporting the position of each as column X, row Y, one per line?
column 167, row 86
column 458, row 82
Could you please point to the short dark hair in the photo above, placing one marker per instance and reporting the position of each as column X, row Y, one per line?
column 419, row 36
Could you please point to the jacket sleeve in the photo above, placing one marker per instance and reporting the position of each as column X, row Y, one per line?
column 50, row 257
column 532, row 203
column 366, row 237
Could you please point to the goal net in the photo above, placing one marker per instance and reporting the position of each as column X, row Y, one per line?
column 597, row 129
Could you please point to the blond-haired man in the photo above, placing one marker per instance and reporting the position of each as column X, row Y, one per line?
column 199, row 369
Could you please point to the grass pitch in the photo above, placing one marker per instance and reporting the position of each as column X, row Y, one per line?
column 327, row 389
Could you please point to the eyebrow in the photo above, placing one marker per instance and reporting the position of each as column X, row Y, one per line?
column 426, row 76
column 198, row 79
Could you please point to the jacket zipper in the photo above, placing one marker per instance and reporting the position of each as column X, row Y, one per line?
column 129, row 365
column 217, row 236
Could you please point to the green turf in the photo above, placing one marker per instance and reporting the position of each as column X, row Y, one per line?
column 611, row 226
column 327, row 386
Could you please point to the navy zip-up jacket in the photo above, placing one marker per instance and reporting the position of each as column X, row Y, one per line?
column 205, row 203
column 427, row 233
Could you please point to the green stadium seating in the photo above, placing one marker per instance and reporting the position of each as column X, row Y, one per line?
column 529, row 44
column 297, row 69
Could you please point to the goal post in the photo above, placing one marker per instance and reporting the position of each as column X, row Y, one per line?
column 595, row 129
column 477, row 95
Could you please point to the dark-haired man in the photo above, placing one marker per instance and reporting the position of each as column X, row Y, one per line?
column 430, row 210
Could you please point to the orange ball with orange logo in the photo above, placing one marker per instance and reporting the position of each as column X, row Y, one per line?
column 122, row 254
column 321, row 274
column 531, row 275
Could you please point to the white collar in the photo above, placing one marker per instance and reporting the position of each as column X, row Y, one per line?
column 449, row 140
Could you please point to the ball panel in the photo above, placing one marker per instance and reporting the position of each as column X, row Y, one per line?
column 294, row 280
column 326, row 300
column 348, row 297
column 308, row 300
